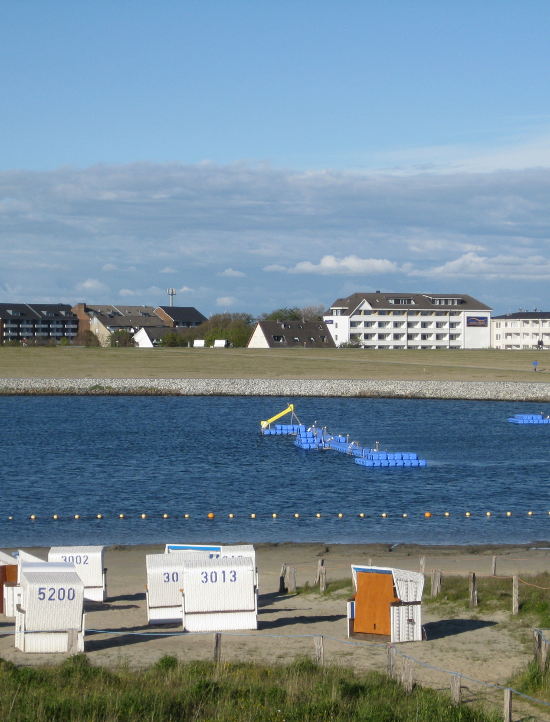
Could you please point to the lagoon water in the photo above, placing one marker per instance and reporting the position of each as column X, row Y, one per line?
column 150, row 455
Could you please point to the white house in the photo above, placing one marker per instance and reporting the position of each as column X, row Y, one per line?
column 409, row 321
column 523, row 329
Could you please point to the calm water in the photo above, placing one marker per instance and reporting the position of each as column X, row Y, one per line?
column 187, row 455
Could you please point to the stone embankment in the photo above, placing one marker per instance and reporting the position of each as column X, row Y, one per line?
column 475, row 390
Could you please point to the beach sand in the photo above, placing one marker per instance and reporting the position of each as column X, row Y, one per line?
column 489, row 648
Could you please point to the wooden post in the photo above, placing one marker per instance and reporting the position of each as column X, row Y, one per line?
column 494, row 565
column 320, row 565
column 407, row 675
column 291, row 573
column 391, row 661
column 436, row 582
column 422, row 565
column 541, row 649
column 370, row 562
column 455, row 689
column 282, row 586
column 507, row 711
column 319, row 649
column 217, row 647
column 323, row 580
column 515, row 594
column 473, row 590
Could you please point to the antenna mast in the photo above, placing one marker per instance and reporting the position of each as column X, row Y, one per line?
column 171, row 293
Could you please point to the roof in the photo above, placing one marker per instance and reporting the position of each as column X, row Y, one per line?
column 183, row 314
column 296, row 333
column 36, row 311
column 416, row 301
column 125, row 316
column 158, row 332
column 524, row 314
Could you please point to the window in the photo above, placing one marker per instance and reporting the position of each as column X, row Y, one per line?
column 278, row 339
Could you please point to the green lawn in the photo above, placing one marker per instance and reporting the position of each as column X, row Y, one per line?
column 457, row 365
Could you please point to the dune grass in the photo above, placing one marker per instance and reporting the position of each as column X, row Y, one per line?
column 456, row 365
column 171, row 690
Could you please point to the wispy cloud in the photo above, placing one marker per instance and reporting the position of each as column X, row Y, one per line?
column 226, row 301
column 349, row 265
column 231, row 273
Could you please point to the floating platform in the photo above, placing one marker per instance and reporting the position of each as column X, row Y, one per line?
column 529, row 419
column 316, row 438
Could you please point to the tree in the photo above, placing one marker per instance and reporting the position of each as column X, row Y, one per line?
column 307, row 313
column 87, row 338
column 121, row 338
column 235, row 328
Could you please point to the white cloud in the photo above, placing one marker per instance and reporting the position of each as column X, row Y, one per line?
column 109, row 267
column 185, row 289
column 126, row 292
column 226, row 301
column 274, row 267
column 92, row 284
column 232, row 273
column 491, row 267
column 168, row 269
column 349, row 265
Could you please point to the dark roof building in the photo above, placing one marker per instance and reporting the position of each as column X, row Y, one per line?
column 287, row 334
column 37, row 321
column 180, row 316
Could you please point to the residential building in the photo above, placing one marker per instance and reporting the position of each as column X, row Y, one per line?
column 104, row 320
column 180, row 316
column 287, row 334
column 38, row 321
column 522, row 329
column 409, row 321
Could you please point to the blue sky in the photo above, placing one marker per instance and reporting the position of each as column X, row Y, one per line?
column 258, row 154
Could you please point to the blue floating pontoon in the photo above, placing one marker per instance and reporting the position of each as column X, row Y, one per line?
column 529, row 419
column 319, row 438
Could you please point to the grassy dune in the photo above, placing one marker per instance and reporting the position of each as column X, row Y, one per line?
column 458, row 365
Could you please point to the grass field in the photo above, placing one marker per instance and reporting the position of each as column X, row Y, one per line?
column 457, row 365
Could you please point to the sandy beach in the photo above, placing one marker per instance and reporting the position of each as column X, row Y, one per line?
column 485, row 648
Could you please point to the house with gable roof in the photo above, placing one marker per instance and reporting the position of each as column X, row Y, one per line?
column 288, row 334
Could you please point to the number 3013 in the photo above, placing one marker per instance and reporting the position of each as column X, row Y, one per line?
column 213, row 577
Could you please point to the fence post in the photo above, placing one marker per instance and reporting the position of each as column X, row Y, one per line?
column 422, row 565
column 323, row 580
column 391, row 661
column 473, row 590
column 455, row 689
column 541, row 649
column 515, row 594
column 319, row 649
column 507, row 711
column 407, row 675
column 282, row 586
column 494, row 566
column 436, row 582
column 291, row 572
column 370, row 562
column 320, row 565
column 217, row 647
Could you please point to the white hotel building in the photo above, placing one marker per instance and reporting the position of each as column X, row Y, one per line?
column 410, row 321
column 521, row 330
